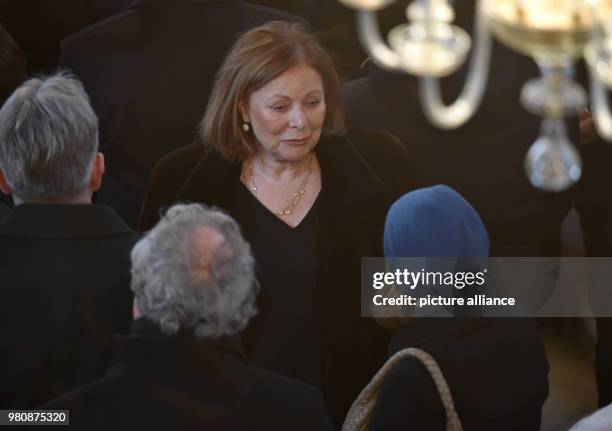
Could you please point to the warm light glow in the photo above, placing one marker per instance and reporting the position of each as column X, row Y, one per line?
column 548, row 15
column 434, row 50
column 540, row 28
column 366, row 4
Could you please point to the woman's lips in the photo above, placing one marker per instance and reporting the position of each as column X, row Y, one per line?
column 295, row 141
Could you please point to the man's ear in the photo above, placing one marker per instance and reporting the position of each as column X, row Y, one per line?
column 4, row 185
column 97, row 172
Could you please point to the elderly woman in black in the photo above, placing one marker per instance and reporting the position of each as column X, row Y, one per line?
column 311, row 203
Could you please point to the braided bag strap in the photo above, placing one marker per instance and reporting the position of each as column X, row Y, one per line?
column 358, row 417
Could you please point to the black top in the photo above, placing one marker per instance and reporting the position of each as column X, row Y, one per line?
column 496, row 370
column 285, row 336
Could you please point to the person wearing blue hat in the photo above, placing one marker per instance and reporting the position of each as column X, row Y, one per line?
column 496, row 369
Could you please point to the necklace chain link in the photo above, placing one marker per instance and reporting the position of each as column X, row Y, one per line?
column 297, row 195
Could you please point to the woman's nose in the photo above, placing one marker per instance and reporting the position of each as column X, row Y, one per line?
column 297, row 118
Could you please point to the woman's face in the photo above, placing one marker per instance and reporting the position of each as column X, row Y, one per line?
column 287, row 114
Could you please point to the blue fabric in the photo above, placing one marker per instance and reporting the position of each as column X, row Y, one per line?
column 434, row 222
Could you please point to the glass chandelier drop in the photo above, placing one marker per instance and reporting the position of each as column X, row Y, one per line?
column 555, row 33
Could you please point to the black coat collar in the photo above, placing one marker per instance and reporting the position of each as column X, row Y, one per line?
column 63, row 221
column 146, row 344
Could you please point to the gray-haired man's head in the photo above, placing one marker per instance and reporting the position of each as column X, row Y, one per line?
column 195, row 271
column 49, row 142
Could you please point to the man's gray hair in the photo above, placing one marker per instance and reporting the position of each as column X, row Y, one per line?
column 48, row 138
column 195, row 271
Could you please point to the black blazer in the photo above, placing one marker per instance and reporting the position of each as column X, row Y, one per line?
column 483, row 159
column 64, row 292
column 159, row 382
column 149, row 72
column 496, row 370
column 353, row 205
column 38, row 26
column 3, row 210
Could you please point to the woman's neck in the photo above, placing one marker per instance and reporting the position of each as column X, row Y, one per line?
column 280, row 170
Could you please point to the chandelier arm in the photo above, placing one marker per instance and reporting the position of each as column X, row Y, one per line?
column 456, row 114
column 601, row 108
column 375, row 46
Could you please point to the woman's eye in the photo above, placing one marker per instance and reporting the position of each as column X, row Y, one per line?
column 313, row 103
column 280, row 108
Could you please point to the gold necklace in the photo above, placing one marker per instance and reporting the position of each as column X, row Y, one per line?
column 297, row 196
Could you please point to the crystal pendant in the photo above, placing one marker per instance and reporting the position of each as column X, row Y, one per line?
column 430, row 45
column 555, row 94
column 566, row 98
column 552, row 163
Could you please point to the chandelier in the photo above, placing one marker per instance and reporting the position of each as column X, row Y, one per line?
column 555, row 33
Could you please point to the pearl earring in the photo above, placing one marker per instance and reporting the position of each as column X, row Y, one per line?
column 246, row 127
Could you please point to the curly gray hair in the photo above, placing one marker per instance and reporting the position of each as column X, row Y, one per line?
column 48, row 138
column 195, row 271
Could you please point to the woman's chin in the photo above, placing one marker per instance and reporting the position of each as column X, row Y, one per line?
column 294, row 153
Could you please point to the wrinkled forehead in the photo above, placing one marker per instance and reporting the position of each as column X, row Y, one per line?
column 297, row 82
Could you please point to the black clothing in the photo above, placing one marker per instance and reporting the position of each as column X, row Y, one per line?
column 496, row 370
column 285, row 269
column 184, row 383
column 603, row 358
column 354, row 200
column 148, row 72
column 64, row 293
column 4, row 210
column 38, row 26
column 12, row 65
column 482, row 160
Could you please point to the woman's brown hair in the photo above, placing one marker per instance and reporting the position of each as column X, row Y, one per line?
column 258, row 57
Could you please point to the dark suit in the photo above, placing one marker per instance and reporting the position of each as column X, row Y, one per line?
column 149, row 72
column 482, row 160
column 496, row 370
column 182, row 383
column 12, row 65
column 64, row 292
column 358, row 186
column 38, row 26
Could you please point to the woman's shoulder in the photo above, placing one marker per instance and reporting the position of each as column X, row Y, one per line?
column 178, row 163
column 168, row 177
column 172, row 170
